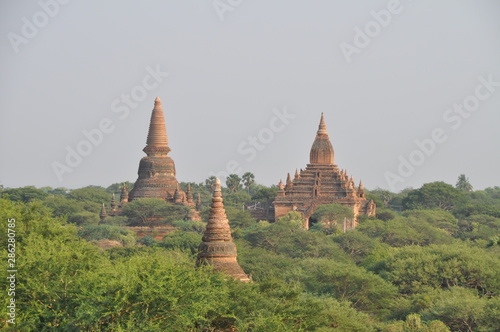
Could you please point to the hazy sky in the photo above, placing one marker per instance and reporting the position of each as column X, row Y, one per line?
column 410, row 89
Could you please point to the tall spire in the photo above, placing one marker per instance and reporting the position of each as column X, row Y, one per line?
column 361, row 190
column 157, row 142
column 113, row 204
column 198, row 202
column 103, row 213
column 289, row 182
column 124, row 194
column 217, row 247
column 322, row 125
column 322, row 149
column 189, row 195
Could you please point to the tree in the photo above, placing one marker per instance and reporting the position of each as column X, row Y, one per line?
column 435, row 195
column 248, row 180
column 416, row 269
column 346, row 281
column 210, row 183
column 331, row 216
column 84, row 218
column 152, row 210
column 384, row 196
column 25, row 194
column 63, row 206
column 100, row 232
column 357, row 245
column 463, row 183
column 413, row 323
column 94, row 194
column 265, row 194
column 233, row 182
column 461, row 310
column 237, row 199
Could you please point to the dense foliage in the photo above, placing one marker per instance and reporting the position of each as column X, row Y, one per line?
column 429, row 261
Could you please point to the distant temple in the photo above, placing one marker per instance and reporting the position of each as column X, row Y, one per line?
column 321, row 183
column 217, row 247
column 156, row 172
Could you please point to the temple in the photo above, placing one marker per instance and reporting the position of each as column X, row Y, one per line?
column 217, row 247
column 157, row 170
column 321, row 183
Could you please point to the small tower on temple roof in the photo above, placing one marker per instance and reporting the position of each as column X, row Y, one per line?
column 297, row 175
column 322, row 149
column 177, row 196
column 124, row 194
column 217, row 247
column 361, row 190
column 289, row 183
column 103, row 213
column 281, row 188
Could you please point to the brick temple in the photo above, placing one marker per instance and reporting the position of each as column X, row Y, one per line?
column 218, row 248
column 322, row 182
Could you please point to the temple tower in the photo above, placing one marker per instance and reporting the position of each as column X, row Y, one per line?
column 156, row 175
column 124, row 195
column 217, row 247
column 321, row 183
column 103, row 215
column 322, row 149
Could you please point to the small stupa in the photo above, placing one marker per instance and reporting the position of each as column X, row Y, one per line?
column 217, row 247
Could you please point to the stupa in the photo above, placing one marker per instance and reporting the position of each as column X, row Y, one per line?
column 217, row 247
column 322, row 182
column 157, row 178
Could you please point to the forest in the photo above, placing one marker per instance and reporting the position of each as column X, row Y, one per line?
column 429, row 261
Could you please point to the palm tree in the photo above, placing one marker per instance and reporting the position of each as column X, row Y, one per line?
column 248, row 180
column 463, row 183
column 233, row 182
column 210, row 182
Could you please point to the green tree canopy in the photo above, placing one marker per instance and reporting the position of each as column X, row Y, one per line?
column 210, row 183
column 265, row 194
column 24, row 194
column 435, row 195
column 94, row 194
column 84, row 218
column 151, row 211
column 248, row 180
column 233, row 182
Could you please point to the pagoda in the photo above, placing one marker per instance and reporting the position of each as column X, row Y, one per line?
column 157, row 170
column 322, row 182
column 217, row 247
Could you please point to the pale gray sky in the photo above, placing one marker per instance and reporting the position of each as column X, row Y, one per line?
column 383, row 83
